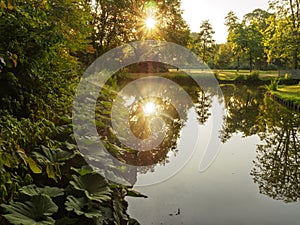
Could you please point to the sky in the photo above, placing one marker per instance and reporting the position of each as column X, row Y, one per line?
column 195, row 11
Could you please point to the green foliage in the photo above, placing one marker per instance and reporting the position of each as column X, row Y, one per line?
column 273, row 85
column 246, row 37
column 283, row 47
column 119, row 21
column 204, row 42
column 287, row 76
column 94, row 186
column 52, row 160
column 38, row 76
column 254, row 76
column 32, row 190
column 82, row 206
column 224, row 56
column 37, row 211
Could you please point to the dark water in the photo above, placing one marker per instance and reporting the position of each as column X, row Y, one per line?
column 255, row 179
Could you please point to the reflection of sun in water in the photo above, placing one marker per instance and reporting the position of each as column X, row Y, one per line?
column 150, row 23
column 149, row 108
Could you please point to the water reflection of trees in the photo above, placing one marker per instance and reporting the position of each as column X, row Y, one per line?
column 277, row 165
column 242, row 111
column 140, row 124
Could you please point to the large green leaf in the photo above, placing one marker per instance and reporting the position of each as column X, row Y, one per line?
column 35, row 212
column 32, row 190
column 35, row 168
column 46, row 155
column 84, row 170
column 94, row 186
column 83, row 206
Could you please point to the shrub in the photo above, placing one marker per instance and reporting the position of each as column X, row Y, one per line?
column 240, row 78
column 254, row 75
column 287, row 76
column 273, row 85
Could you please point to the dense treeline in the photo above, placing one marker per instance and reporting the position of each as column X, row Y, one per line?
column 261, row 40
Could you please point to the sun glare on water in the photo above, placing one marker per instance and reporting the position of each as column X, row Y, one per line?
column 149, row 108
column 150, row 22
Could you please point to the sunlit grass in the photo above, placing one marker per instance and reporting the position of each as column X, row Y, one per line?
column 289, row 93
column 232, row 74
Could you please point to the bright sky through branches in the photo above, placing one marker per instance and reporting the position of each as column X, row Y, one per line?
column 150, row 22
column 195, row 11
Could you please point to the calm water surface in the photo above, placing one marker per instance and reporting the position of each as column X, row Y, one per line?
column 255, row 179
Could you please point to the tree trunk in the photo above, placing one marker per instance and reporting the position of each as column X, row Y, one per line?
column 295, row 59
column 204, row 52
column 238, row 63
column 250, row 61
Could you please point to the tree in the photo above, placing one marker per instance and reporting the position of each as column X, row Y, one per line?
column 234, row 35
column 38, row 52
column 110, row 27
column 286, row 16
column 119, row 21
column 174, row 27
column 224, row 56
column 246, row 36
column 204, row 42
column 256, row 24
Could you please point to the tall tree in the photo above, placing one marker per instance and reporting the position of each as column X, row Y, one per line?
column 224, row 56
column 247, row 36
column 204, row 41
column 109, row 21
column 119, row 21
column 286, row 17
column 234, row 35
column 37, row 52
column 255, row 23
column 174, row 27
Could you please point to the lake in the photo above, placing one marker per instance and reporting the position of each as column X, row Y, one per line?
column 254, row 178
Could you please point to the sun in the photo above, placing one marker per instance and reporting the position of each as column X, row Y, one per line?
column 149, row 108
column 150, row 22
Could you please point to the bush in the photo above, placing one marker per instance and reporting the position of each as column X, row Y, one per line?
column 273, row 86
column 254, row 75
column 240, row 78
column 272, row 67
column 287, row 76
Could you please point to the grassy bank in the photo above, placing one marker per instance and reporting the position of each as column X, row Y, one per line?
column 289, row 93
column 231, row 75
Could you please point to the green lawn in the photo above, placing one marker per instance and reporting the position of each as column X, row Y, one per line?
column 289, row 93
column 222, row 74
column 232, row 74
